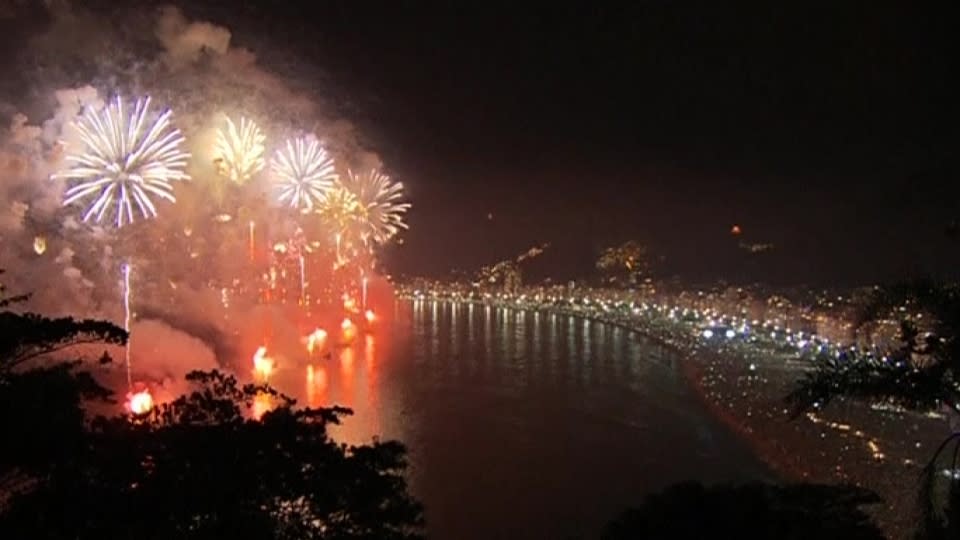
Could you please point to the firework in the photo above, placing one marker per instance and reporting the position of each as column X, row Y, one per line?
column 127, row 159
column 140, row 402
column 303, row 173
column 339, row 208
column 380, row 206
column 263, row 365
column 315, row 340
column 238, row 153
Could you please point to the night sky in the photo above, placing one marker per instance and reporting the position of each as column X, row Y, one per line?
column 828, row 131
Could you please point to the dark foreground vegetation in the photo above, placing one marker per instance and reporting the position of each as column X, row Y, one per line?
column 202, row 467
column 199, row 467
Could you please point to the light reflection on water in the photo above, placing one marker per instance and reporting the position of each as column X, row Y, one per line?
column 521, row 424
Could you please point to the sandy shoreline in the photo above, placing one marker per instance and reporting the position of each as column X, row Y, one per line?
column 848, row 443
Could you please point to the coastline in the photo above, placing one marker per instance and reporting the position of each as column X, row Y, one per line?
column 849, row 443
column 691, row 369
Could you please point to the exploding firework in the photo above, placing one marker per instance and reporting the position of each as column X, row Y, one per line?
column 238, row 153
column 380, row 208
column 340, row 209
column 263, row 365
column 140, row 402
column 126, row 159
column 303, row 173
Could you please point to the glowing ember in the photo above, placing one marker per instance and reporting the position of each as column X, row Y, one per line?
column 262, row 403
column 315, row 340
column 349, row 303
column 140, row 402
column 39, row 245
column 370, row 315
column 349, row 330
column 263, row 365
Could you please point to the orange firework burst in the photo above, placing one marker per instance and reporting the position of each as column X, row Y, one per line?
column 263, row 365
column 140, row 402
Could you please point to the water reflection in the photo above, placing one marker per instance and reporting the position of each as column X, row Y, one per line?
column 520, row 424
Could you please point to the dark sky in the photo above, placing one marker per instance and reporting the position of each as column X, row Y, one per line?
column 829, row 130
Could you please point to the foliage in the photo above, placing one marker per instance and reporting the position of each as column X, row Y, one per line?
column 201, row 467
column 941, row 511
column 26, row 336
column 41, row 417
column 755, row 511
column 894, row 381
column 921, row 375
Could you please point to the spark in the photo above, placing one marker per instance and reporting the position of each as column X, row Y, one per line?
column 126, row 159
column 380, row 205
column 303, row 173
column 39, row 245
column 252, row 240
column 238, row 153
column 363, row 291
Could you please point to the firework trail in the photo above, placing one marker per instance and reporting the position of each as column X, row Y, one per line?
column 303, row 173
column 126, row 316
column 126, row 160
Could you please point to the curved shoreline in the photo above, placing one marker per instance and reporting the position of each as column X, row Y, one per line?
column 691, row 371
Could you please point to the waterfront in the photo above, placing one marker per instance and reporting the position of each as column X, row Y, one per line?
column 522, row 423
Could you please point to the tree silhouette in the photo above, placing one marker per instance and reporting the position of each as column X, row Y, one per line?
column 200, row 467
column 41, row 415
column 922, row 374
column 26, row 336
column 691, row 511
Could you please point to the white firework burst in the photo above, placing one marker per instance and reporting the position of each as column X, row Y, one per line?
column 238, row 153
column 381, row 208
column 126, row 160
column 303, row 173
